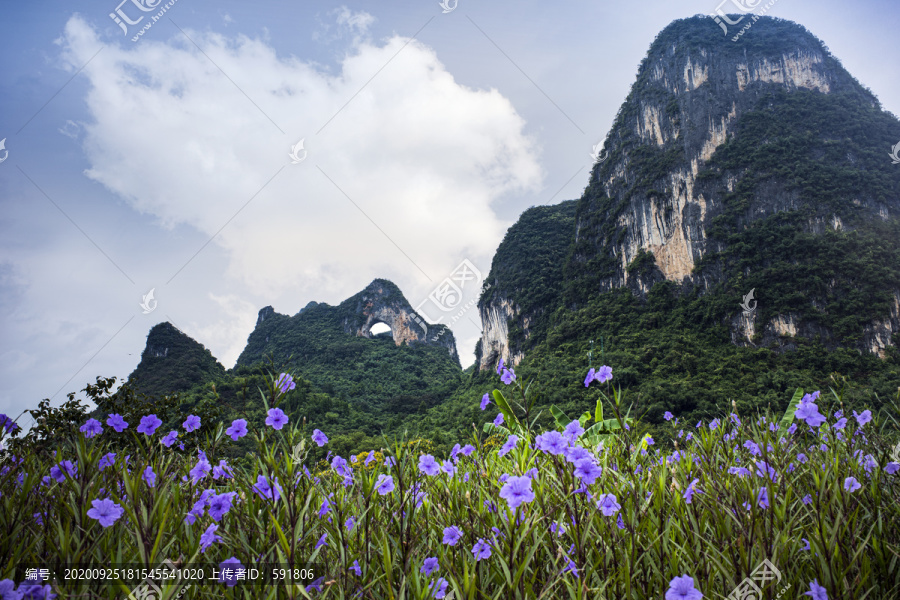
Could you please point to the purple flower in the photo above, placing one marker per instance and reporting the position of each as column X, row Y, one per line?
column 220, row 504
column 222, row 470
column 500, row 367
column 209, row 537
column 668, row 416
column 322, row 541
column 816, row 591
column 765, row 468
column 356, row 568
column 573, row 431
column 149, row 476
column 508, row 376
column 810, row 397
column 498, row 420
column 316, row 585
column 603, row 375
column 106, row 511
column 551, row 442
column 517, row 490
column 485, row 400
column 511, row 442
column 809, row 412
column 284, row 383
column 851, row 484
column 59, row 471
column 807, row 499
column 91, row 428
column 385, row 484
column 34, row 591
column 691, row 490
column 892, row 467
column 349, row 523
column 117, row 422
column 265, row 490
column 320, row 438
column 169, row 439
column 587, row 471
column 149, row 424
column 468, row 449
column 792, row 429
column 841, row 423
column 452, row 535
column 619, row 522
column 713, row 424
column 682, row 588
column 276, row 419
column 807, row 544
column 439, row 588
column 608, row 504
column 227, row 573
column 200, row 470
column 741, row 471
column 7, row 588
column 238, row 429
column 430, row 565
column 862, row 418
column 107, row 460
column 481, row 550
column 752, row 447
column 576, row 453
column 762, row 499
column 428, row 465
column 192, row 423
column 448, row 467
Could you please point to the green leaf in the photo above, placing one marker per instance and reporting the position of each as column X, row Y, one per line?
column 561, row 419
column 584, row 418
column 789, row 413
column 504, row 407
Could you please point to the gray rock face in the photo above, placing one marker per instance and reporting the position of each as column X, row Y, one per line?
column 658, row 190
column 382, row 302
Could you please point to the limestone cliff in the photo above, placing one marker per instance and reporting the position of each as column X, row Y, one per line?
column 734, row 165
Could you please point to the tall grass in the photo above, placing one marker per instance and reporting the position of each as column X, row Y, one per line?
column 368, row 528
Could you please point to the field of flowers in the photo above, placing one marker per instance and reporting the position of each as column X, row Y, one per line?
column 805, row 504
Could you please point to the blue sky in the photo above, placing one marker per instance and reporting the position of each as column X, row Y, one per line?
column 164, row 163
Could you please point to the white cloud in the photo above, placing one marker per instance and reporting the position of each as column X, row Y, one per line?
column 230, row 332
column 421, row 155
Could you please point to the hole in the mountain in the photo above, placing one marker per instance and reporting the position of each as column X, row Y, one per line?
column 379, row 329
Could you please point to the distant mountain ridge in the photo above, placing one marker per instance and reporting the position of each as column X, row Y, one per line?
column 331, row 347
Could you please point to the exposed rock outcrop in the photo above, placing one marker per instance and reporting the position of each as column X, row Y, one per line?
column 382, row 302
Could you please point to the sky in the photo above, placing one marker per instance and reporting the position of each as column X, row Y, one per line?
column 232, row 155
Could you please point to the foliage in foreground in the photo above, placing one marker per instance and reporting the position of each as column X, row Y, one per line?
column 591, row 510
